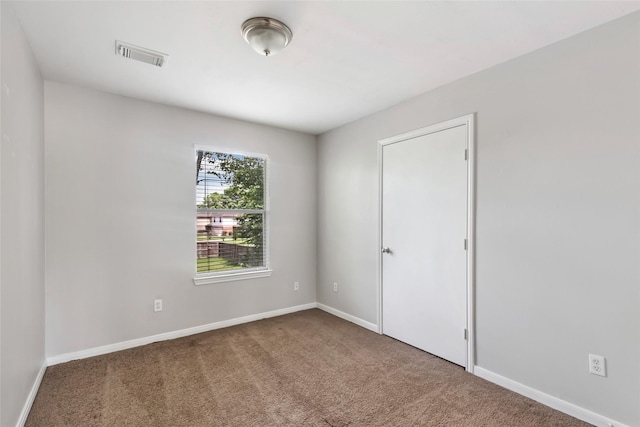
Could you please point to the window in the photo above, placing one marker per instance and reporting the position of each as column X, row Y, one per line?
column 230, row 216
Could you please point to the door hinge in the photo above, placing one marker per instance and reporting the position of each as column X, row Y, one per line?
column 465, row 244
column 466, row 335
column 466, row 154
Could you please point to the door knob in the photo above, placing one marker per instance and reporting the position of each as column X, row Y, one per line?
column 386, row 250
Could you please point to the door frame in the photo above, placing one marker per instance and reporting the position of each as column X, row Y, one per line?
column 469, row 121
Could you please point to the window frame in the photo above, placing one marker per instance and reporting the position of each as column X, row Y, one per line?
column 208, row 278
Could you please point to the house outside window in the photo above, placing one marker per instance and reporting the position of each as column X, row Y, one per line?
column 231, row 216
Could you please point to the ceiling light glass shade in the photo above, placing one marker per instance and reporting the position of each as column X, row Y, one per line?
column 267, row 36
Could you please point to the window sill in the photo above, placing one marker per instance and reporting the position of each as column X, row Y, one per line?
column 230, row 277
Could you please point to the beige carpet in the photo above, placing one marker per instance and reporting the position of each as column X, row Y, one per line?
column 303, row 369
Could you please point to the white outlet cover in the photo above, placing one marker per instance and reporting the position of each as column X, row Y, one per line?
column 597, row 365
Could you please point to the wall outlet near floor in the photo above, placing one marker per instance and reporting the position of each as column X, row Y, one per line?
column 157, row 305
column 296, row 286
column 335, row 286
column 597, row 365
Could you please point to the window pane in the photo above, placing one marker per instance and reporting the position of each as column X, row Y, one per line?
column 229, row 181
column 229, row 241
column 230, row 211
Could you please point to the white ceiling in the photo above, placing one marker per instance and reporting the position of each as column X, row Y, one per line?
column 347, row 59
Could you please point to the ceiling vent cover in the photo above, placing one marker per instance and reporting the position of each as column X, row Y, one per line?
column 141, row 54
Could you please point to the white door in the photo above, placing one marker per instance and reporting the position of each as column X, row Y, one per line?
column 424, row 227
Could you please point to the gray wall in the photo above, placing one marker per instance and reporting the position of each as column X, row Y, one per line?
column 21, row 220
column 558, row 213
column 120, row 219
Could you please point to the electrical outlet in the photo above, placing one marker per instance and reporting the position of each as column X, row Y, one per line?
column 157, row 305
column 335, row 286
column 597, row 365
column 296, row 286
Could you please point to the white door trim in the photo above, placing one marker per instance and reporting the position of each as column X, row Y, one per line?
column 469, row 121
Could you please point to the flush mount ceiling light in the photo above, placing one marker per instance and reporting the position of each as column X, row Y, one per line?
column 141, row 54
column 267, row 36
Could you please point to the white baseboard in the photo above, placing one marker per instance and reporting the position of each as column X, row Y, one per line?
column 548, row 400
column 31, row 397
column 110, row 348
column 353, row 319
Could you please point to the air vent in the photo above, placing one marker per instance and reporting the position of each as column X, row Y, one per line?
column 141, row 54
